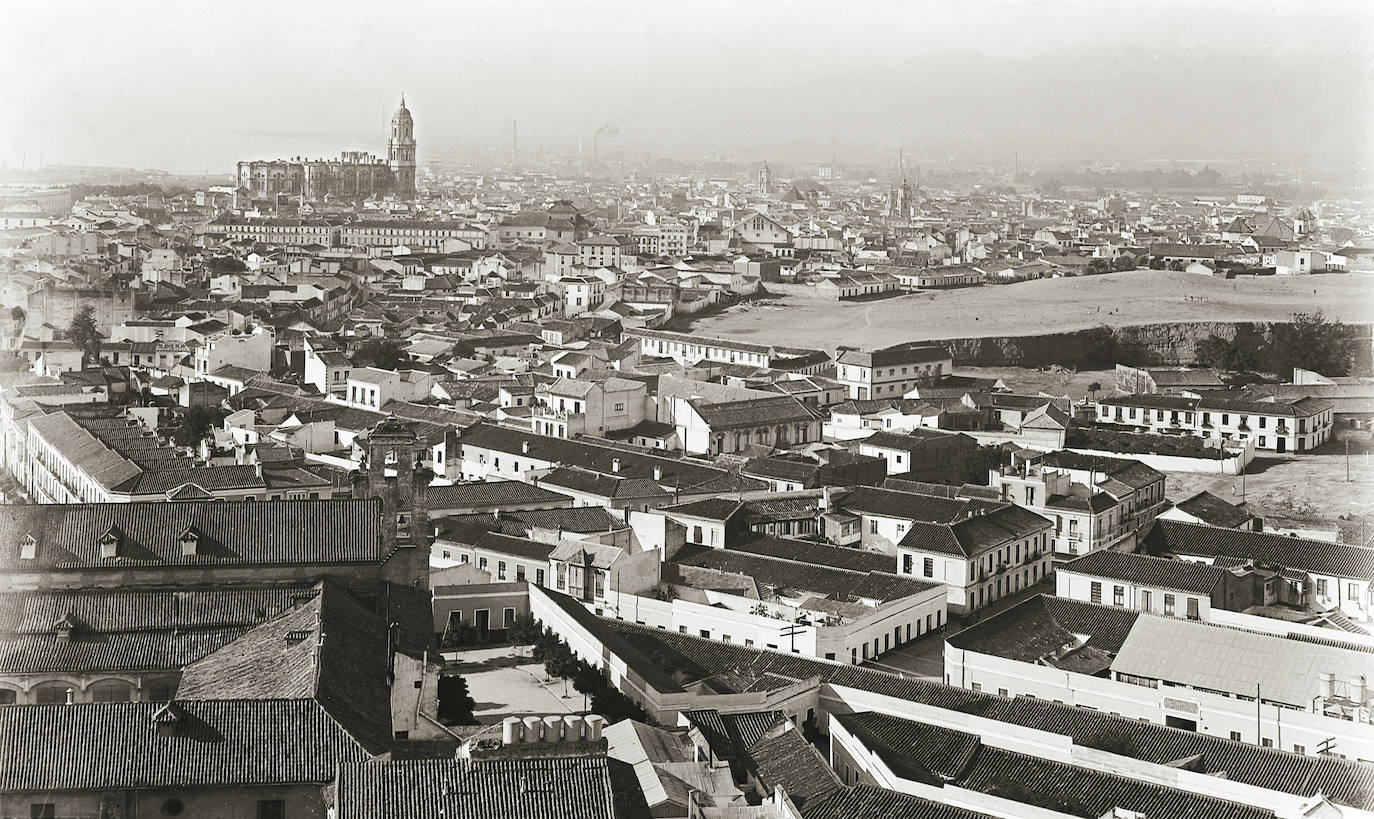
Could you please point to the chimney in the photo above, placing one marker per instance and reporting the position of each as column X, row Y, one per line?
column 1328, row 683
column 826, row 498
column 524, row 447
column 658, row 473
column 1359, row 690
column 615, row 464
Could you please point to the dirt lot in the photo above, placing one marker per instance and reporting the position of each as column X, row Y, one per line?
column 798, row 317
column 1311, row 486
column 505, row 681
column 1051, row 380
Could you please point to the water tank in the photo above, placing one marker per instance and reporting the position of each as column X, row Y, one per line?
column 512, row 730
column 1328, row 686
column 533, row 726
column 593, row 722
column 572, row 728
column 553, row 728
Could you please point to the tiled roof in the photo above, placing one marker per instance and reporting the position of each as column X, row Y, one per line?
column 975, row 535
column 1160, row 572
column 1042, row 625
column 1087, row 792
column 908, row 353
column 819, row 554
column 606, row 486
column 210, row 478
column 656, row 654
column 676, row 472
column 839, row 584
column 515, row 546
column 907, row 505
column 868, row 801
column 1215, row 511
column 1316, row 556
column 753, row 411
column 790, row 762
column 84, row 450
column 531, row 788
column 490, row 495
column 331, row 649
column 913, row 750
column 706, row 508
column 120, row 745
column 125, row 630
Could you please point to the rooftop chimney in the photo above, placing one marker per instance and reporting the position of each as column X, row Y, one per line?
column 1359, row 690
column 658, row 473
column 1328, row 682
column 615, row 464
column 524, row 447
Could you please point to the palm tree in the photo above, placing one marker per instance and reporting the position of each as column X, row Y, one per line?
column 1094, row 388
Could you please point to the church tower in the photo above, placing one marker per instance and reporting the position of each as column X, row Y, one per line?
column 401, row 151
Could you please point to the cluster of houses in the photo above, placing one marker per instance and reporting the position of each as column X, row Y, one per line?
column 312, row 451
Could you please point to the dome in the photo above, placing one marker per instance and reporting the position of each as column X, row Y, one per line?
column 402, row 114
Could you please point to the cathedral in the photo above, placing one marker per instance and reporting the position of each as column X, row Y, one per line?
column 354, row 175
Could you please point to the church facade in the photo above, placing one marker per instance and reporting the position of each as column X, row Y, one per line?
column 354, row 175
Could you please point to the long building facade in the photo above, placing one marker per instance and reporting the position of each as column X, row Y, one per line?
column 355, row 174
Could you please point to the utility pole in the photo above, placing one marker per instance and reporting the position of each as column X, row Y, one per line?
column 1347, row 460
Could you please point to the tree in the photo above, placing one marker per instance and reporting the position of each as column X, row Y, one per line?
column 84, row 334
column 455, row 702
column 196, row 423
column 1124, row 262
column 380, row 352
column 220, row 265
column 1312, row 342
column 1095, row 388
column 1096, row 266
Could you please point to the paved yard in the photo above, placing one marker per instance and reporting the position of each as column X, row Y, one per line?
column 505, row 681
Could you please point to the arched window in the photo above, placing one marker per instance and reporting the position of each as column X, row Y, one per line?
column 53, row 693
column 111, row 691
column 8, row 696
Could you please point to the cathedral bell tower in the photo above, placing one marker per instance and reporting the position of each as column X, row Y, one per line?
column 401, row 151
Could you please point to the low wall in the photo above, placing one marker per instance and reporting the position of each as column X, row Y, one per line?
column 1178, row 463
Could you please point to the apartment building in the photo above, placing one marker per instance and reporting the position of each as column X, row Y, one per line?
column 891, row 372
column 1280, row 426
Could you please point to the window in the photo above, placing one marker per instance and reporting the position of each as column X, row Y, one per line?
column 1352, row 591
column 500, row 570
column 271, row 809
column 907, row 561
column 977, row 687
column 1235, row 736
column 1299, row 749
column 1321, row 587
column 538, row 577
column 1267, row 742
column 928, row 567
column 1002, row 692
column 520, row 572
column 1192, row 608
column 482, row 563
column 43, row 810
column 1169, row 605
column 1096, row 592
column 1118, row 595
column 1144, row 600
column 873, row 527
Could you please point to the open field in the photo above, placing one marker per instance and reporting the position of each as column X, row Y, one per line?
column 798, row 317
column 1307, row 486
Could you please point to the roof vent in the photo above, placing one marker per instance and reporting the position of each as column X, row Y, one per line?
column 28, row 547
column 110, row 543
column 190, row 542
column 66, row 626
column 167, row 718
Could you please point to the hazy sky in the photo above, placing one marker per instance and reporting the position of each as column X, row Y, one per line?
column 192, row 86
